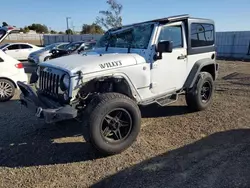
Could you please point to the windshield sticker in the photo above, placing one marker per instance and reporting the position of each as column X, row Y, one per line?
column 111, row 64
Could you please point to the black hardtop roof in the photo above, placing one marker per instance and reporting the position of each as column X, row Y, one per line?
column 168, row 20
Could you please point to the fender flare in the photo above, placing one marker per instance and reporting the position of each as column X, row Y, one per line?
column 196, row 69
column 132, row 87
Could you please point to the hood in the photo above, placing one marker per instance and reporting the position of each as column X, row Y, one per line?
column 42, row 50
column 93, row 63
column 5, row 31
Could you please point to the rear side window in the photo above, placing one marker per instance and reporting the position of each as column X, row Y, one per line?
column 25, row 46
column 1, row 60
column 13, row 47
column 202, row 34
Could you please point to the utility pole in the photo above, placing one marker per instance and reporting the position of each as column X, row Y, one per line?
column 73, row 27
column 67, row 21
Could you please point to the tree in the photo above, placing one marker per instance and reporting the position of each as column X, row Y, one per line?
column 111, row 17
column 4, row 24
column 26, row 29
column 39, row 28
column 53, row 32
column 92, row 29
column 60, row 32
column 69, row 32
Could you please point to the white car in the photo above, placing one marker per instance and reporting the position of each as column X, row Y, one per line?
column 19, row 51
column 11, row 71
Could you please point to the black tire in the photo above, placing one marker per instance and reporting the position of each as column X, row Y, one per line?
column 195, row 98
column 106, row 106
column 47, row 58
column 7, row 90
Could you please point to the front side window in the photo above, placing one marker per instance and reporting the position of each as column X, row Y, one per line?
column 172, row 33
column 202, row 34
column 13, row 47
column 134, row 37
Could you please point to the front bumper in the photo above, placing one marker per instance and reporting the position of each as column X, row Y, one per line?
column 43, row 107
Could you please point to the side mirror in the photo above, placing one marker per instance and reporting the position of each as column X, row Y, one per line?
column 5, row 49
column 165, row 47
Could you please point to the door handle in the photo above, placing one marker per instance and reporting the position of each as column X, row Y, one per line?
column 182, row 56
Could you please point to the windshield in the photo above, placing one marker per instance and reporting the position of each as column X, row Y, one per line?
column 2, row 34
column 51, row 46
column 73, row 46
column 3, row 46
column 134, row 37
column 62, row 46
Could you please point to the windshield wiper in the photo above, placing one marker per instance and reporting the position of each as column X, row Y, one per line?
column 109, row 37
column 129, row 48
column 107, row 46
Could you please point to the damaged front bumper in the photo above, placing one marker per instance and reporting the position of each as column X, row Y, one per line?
column 43, row 107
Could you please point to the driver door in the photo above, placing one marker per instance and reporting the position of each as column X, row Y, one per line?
column 169, row 73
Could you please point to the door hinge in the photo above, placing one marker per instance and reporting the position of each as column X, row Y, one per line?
column 152, row 85
column 155, row 65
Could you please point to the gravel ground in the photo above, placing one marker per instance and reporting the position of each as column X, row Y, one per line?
column 176, row 148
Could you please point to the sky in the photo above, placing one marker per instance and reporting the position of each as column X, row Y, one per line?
column 229, row 15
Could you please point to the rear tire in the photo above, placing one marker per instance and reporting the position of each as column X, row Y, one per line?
column 114, row 122
column 7, row 90
column 200, row 96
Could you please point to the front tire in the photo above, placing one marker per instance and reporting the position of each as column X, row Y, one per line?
column 200, row 96
column 114, row 122
column 7, row 90
column 47, row 58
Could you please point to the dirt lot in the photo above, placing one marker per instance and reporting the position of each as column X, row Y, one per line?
column 176, row 148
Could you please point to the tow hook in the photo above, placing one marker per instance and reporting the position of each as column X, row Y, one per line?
column 38, row 112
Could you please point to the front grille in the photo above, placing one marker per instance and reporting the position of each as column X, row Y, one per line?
column 49, row 83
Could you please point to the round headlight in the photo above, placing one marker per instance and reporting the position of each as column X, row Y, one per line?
column 64, row 82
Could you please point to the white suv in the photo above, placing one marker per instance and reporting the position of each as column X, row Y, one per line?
column 11, row 71
column 133, row 65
